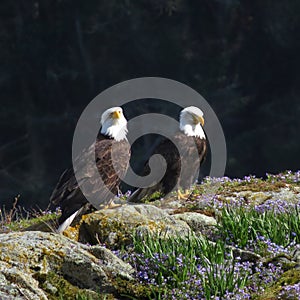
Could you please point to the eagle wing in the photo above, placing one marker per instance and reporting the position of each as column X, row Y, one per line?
column 174, row 176
column 190, row 162
column 68, row 194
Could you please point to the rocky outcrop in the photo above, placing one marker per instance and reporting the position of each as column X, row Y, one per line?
column 196, row 221
column 115, row 227
column 291, row 195
column 37, row 265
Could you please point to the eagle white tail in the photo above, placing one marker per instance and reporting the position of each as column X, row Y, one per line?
column 65, row 224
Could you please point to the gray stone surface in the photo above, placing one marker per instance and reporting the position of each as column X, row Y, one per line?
column 26, row 256
column 114, row 227
column 196, row 221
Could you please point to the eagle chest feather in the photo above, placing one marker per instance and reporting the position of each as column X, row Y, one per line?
column 189, row 175
column 112, row 160
column 177, row 173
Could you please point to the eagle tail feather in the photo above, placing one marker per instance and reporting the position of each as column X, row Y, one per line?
column 66, row 223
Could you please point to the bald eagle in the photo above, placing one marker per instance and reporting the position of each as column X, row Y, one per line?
column 190, row 138
column 67, row 193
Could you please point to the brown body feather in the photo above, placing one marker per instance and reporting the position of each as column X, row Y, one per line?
column 174, row 176
column 68, row 194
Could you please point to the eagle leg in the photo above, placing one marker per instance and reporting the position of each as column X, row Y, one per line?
column 111, row 205
column 183, row 196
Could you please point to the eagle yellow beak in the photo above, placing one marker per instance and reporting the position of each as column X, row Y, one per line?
column 199, row 119
column 117, row 114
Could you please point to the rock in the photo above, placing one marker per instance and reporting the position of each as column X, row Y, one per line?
column 296, row 256
column 110, row 262
column 196, row 221
column 290, row 195
column 254, row 197
column 17, row 284
column 115, row 227
column 30, row 261
column 244, row 255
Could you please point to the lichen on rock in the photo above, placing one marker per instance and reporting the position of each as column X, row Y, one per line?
column 114, row 227
column 37, row 265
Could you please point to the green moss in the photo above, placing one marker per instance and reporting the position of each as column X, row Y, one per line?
column 43, row 222
column 289, row 277
column 104, row 227
column 132, row 289
column 155, row 196
column 62, row 289
column 228, row 188
column 62, row 286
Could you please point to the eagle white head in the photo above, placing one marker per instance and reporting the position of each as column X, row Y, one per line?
column 191, row 122
column 114, row 124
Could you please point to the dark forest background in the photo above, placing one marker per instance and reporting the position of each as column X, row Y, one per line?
column 243, row 57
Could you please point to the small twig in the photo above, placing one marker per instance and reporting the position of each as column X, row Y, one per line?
column 13, row 210
column 97, row 239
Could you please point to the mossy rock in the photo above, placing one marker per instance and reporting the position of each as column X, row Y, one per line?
column 133, row 289
column 58, row 287
column 50, row 266
column 115, row 227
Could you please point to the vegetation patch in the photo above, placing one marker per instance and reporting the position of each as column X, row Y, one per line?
column 57, row 288
column 206, row 267
column 196, row 268
column 18, row 219
column 275, row 221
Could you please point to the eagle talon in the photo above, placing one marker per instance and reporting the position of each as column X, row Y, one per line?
column 112, row 205
column 181, row 196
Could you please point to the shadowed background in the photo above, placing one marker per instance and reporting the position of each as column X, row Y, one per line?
column 56, row 56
